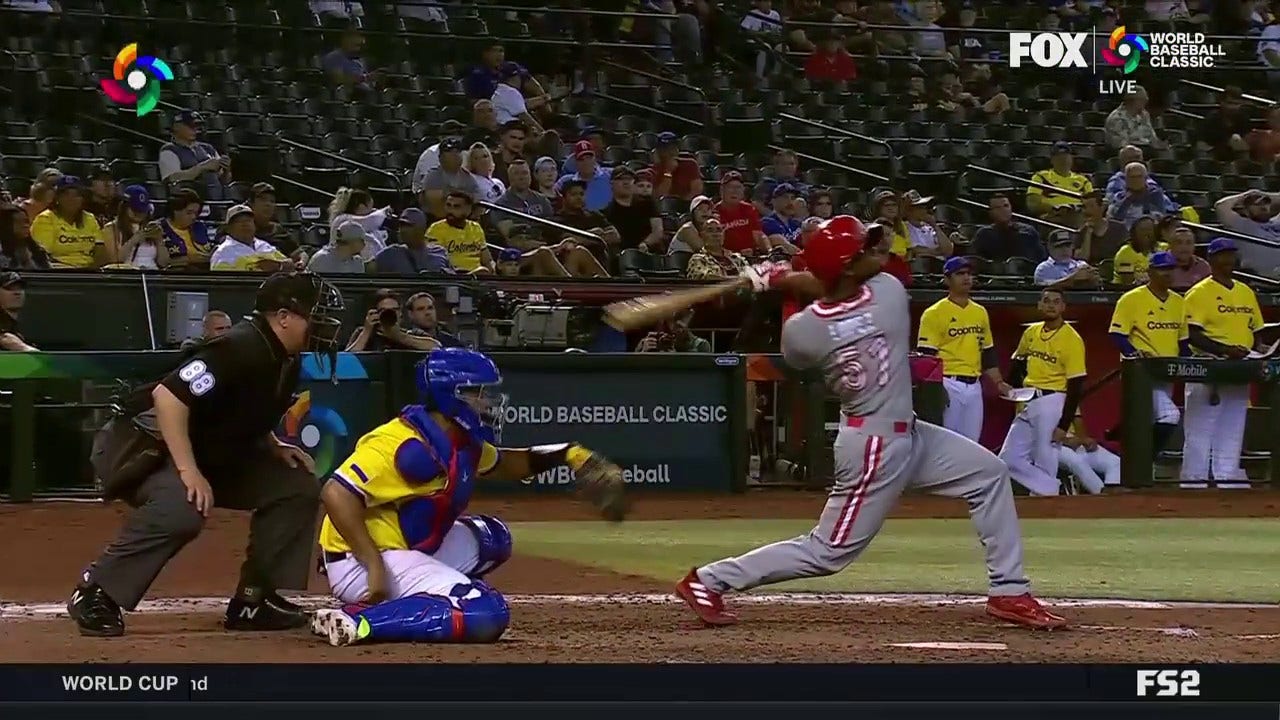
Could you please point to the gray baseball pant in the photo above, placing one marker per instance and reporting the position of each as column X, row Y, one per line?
column 871, row 471
column 285, row 502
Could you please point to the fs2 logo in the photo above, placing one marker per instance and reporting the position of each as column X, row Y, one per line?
column 316, row 429
column 1048, row 50
column 1169, row 683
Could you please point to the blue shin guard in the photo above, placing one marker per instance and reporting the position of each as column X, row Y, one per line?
column 471, row 613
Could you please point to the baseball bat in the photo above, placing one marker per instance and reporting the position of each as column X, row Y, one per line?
column 640, row 312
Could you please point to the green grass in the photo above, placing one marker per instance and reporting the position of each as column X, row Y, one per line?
column 1157, row 559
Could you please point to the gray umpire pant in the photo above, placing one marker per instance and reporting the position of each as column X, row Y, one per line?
column 285, row 502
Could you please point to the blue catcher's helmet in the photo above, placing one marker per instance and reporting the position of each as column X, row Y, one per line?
column 459, row 384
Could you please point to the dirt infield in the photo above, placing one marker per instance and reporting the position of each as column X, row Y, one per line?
column 568, row 613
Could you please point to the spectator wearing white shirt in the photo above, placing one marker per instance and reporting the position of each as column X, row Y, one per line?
column 764, row 24
column 509, row 102
column 240, row 251
column 1061, row 271
column 479, row 162
column 427, row 11
column 429, row 160
column 342, row 9
column 354, row 204
column 923, row 234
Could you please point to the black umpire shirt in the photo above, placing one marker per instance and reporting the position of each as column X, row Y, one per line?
column 237, row 387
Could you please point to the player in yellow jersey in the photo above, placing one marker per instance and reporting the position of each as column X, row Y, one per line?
column 1222, row 315
column 958, row 331
column 399, row 548
column 1149, row 321
column 1050, row 359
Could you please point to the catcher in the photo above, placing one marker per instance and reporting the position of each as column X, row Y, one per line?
column 398, row 548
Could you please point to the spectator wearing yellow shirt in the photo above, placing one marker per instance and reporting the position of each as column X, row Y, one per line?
column 66, row 231
column 188, row 240
column 461, row 237
column 1058, row 207
column 1133, row 258
column 887, row 211
column 240, row 251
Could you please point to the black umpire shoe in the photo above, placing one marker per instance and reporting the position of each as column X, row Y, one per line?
column 95, row 613
column 269, row 612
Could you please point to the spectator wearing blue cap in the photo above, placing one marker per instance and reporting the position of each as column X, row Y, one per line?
column 1061, row 270
column 782, row 226
column 133, row 238
column 508, row 262
column 481, row 80
column 188, row 161
column 674, row 175
column 786, row 170
column 65, row 230
column 413, row 255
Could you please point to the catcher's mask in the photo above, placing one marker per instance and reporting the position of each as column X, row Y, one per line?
column 311, row 297
column 463, row 385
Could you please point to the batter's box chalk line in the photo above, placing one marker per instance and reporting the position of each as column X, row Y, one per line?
column 990, row 646
column 184, row 605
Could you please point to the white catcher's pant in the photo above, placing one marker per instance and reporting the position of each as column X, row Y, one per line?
column 1086, row 466
column 1213, row 434
column 411, row 572
column 964, row 411
column 1162, row 408
column 1028, row 449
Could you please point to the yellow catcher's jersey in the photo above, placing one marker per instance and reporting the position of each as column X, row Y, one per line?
column 1073, row 181
column 1151, row 324
column 1128, row 260
column 1227, row 314
column 371, row 473
column 958, row 334
column 1053, row 356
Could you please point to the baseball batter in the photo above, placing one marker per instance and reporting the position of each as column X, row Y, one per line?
column 858, row 334
column 398, row 548
column 1149, row 321
column 1049, row 359
column 1222, row 315
column 958, row 330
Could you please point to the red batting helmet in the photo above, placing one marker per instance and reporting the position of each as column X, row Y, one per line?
column 836, row 241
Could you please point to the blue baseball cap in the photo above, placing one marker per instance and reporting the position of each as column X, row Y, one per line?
column 956, row 264
column 188, row 117
column 509, row 255
column 509, row 70
column 65, row 182
column 138, row 199
column 1222, row 245
column 414, row 217
column 1162, row 261
column 667, row 138
column 784, row 189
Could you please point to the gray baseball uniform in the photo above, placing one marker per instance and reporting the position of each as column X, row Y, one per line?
column 861, row 346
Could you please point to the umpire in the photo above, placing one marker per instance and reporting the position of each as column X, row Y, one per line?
column 202, row 437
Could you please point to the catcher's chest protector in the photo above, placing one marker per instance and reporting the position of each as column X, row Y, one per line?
column 453, row 456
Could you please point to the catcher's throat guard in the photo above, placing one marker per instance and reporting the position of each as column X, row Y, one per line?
column 462, row 385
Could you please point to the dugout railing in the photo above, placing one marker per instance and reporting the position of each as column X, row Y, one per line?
column 1139, row 377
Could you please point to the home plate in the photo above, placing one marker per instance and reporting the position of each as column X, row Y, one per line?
column 952, row 645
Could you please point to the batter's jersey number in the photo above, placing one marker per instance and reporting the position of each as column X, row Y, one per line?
column 853, row 375
column 1169, row 683
column 197, row 377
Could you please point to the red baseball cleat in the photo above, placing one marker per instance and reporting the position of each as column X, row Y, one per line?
column 1024, row 610
column 707, row 603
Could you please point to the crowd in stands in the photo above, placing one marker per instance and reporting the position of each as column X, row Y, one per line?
column 664, row 201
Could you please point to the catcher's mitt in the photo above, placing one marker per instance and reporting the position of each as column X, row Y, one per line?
column 599, row 482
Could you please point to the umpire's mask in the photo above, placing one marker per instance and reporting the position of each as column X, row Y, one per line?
column 312, row 297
